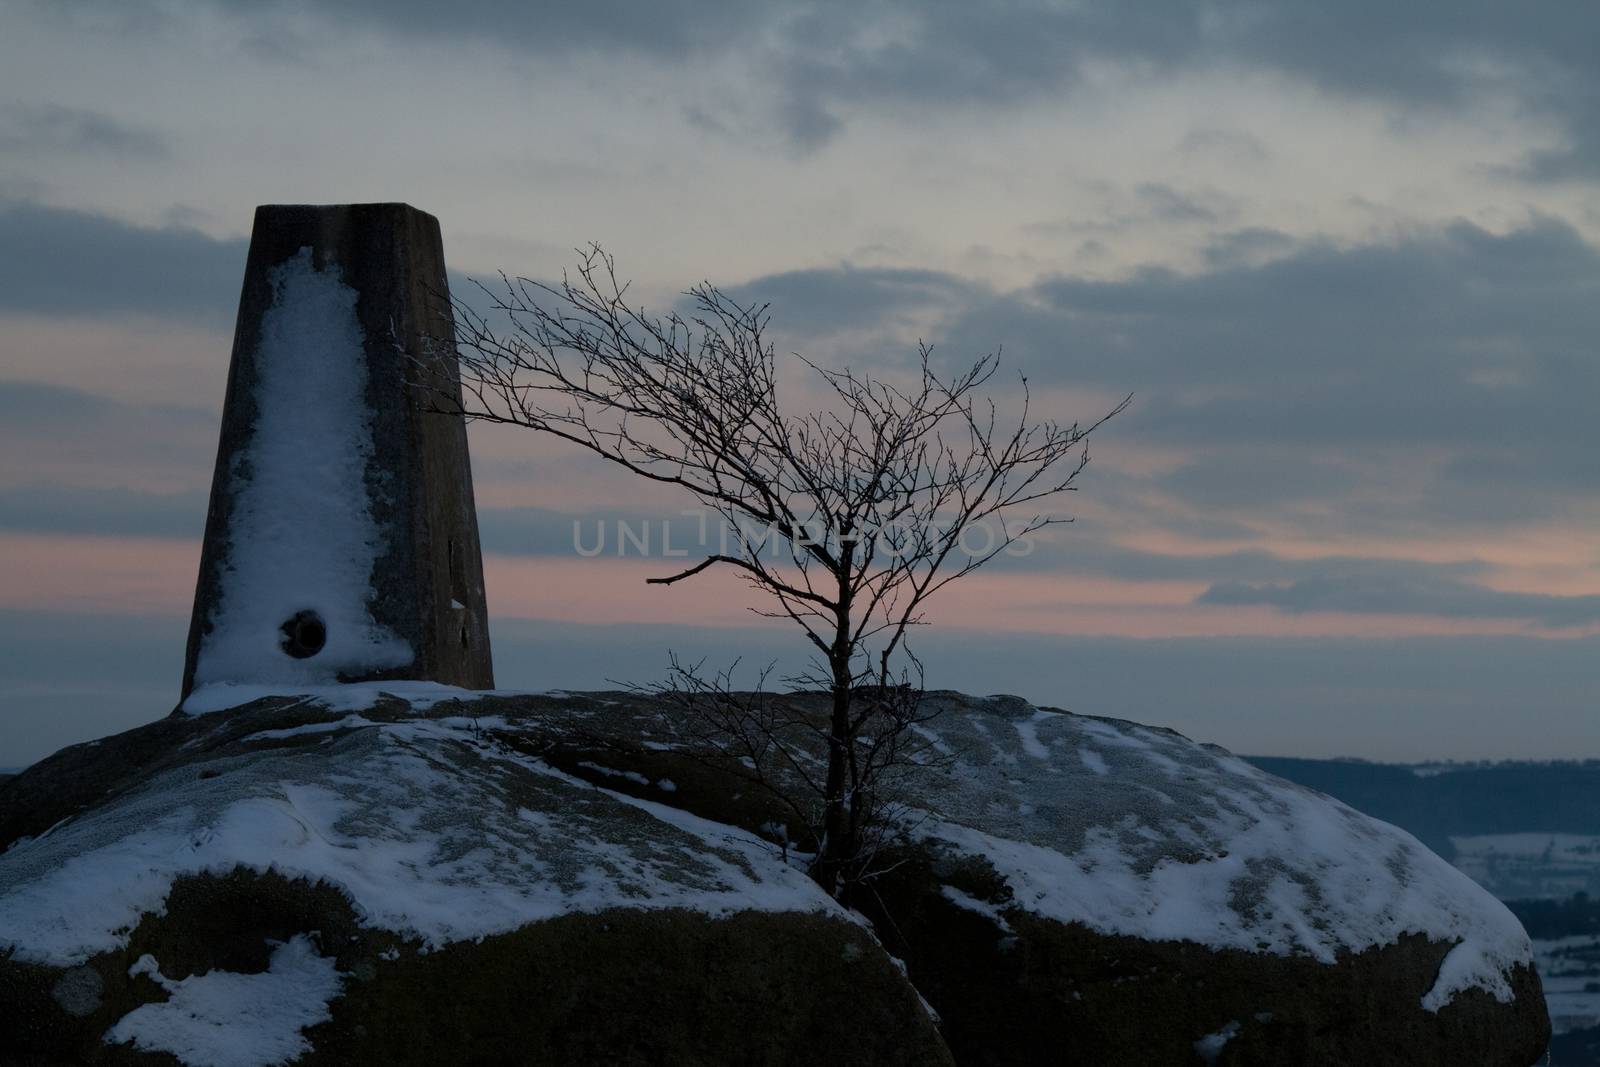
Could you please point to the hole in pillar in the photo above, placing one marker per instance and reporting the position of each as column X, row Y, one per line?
column 463, row 637
column 304, row 634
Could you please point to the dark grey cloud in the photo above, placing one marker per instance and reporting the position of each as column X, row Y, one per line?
column 1424, row 56
column 65, row 262
column 831, row 58
column 954, row 52
column 1169, row 205
column 39, row 405
column 1253, row 244
column 1379, row 592
column 290, row 30
column 43, row 426
column 106, row 511
column 807, row 122
column 1446, row 376
column 824, row 301
column 32, row 128
column 1435, row 55
column 945, row 53
column 1246, row 478
column 1432, row 301
column 1579, row 158
column 1360, row 585
column 1080, row 551
column 1457, row 337
column 1451, row 335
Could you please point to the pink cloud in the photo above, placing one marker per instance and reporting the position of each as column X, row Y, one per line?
column 117, row 576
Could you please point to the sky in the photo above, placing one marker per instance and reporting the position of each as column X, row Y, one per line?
column 1344, row 254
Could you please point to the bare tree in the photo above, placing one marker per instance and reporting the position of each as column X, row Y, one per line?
column 862, row 508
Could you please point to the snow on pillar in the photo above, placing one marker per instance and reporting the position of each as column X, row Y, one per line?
column 341, row 541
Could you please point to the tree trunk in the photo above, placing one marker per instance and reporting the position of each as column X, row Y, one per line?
column 837, row 839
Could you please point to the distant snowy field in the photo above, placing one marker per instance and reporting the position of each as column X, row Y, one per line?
column 1570, row 969
column 1531, row 866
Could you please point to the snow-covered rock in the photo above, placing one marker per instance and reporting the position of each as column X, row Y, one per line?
column 1143, row 833
column 369, row 890
column 1063, row 888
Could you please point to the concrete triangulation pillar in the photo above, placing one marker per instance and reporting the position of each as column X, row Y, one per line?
column 341, row 542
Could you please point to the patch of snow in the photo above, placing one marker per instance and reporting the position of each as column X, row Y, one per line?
column 1463, row 968
column 348, row 696
column 349, row 722
column 1208, row 1048
column 1028, row 730
column 44, row 834
column 612, row 772
column 302, row 533
column 223, row 1019
column 969, row 902
column 428, row 832
column 1178, row 841
column 905, row 972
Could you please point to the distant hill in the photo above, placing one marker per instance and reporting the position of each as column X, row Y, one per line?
column 1438, row 801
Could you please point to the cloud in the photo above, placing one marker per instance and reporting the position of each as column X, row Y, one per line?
column 61, row 262
column 1419, row 302
column 1351, row 584
column 42, row 406
column 1445, row 375
column 1454, row 336
column 1377, row 592
column 1169, row 205
column 1442, row 334
column 1251, row 245
column 956, row 52
column 807, row 122
column 50, row 435
column 1153, row 207
column 29, row 129
column 1288, row 478
column 1233, row 145
column 675, row 29
column 829, row 60
column 102, row 511
column 823, row 301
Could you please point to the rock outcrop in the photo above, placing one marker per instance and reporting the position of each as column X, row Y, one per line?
column 446, row 877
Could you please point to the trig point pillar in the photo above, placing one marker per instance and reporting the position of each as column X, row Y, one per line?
column 341, row 541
